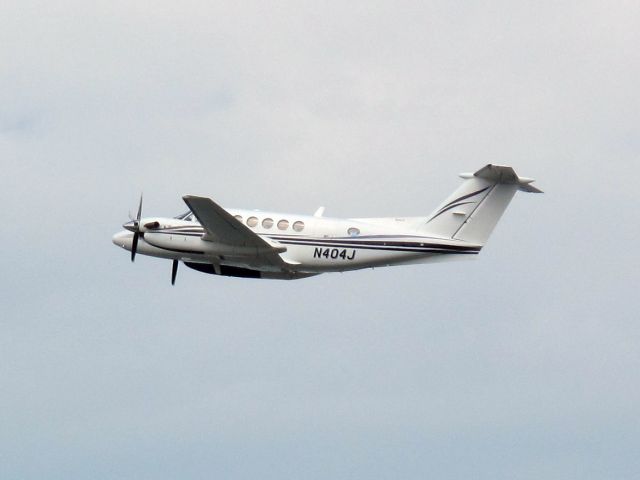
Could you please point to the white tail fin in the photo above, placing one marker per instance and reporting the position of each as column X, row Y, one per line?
column 472, row 211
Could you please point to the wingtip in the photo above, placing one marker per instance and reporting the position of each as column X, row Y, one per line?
column 190, row 197
column 529, row 189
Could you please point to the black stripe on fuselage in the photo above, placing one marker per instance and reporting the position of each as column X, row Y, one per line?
column 350, row 242
column 181, row 232
column 381, row 247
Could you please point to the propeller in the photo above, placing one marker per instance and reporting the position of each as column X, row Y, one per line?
column 134, row 226
column 174, row 272
column 136, row 231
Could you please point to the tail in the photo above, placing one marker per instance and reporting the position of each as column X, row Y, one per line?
column 473, row 210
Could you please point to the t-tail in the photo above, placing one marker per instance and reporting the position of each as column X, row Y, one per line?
column 473, row 210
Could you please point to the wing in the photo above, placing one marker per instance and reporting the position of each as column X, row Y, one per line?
column 220, row 226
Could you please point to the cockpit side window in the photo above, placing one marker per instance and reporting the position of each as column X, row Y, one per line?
column 183, row 216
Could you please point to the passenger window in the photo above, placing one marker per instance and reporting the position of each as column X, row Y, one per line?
column 252, row 221
column 283, row 224
column 267, row 223
column 298, row 226
column 239, row 218
column 353, row 232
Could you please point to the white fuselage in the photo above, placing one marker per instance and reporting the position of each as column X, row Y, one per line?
column 313, row 244
column 260, row 244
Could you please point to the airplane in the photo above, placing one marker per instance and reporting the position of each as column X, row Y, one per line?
column 269, row 245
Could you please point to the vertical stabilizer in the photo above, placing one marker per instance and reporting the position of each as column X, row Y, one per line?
column 473, row 210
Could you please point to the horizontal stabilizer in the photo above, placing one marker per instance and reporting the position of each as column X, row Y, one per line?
column 500, row 174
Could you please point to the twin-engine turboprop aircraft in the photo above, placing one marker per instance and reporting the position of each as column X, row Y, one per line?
column 255, row 244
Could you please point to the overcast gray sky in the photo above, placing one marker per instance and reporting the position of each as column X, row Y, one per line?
column 523, row 364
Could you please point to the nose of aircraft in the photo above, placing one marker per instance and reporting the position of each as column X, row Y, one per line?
column 123, row 239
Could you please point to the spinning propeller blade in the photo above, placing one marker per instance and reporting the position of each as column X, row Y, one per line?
column 134, row 246
column 174, row 271
column 136, row 233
